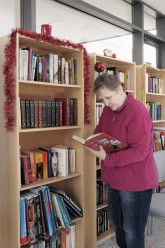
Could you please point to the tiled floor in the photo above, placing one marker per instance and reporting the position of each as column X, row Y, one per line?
column 156, row 240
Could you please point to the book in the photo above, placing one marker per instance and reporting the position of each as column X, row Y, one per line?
column 23, row 228
column 33, row 168
column 37, row 213
column 72, row 207
column 30, row 216
column 46, row 211
column 26, row 172
column 109, row 143
column 62, row 159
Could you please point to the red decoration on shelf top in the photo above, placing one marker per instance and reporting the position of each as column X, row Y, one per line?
column 9, row 75
column 99, row 66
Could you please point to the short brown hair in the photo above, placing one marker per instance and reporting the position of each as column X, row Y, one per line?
column 108, row 81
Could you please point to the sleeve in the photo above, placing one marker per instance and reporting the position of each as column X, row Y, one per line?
column 139, row 139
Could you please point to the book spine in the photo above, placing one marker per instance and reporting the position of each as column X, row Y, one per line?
column 51, row 209
column 23, row 229
column 37, row 204
column 46, row 211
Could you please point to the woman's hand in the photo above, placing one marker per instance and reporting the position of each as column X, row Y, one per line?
column 100, row 154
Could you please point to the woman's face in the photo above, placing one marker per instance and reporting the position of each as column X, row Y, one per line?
column 112, row 99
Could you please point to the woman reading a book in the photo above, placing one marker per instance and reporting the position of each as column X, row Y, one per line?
column 130, row 173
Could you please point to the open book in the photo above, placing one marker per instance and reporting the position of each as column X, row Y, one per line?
column 109, row 143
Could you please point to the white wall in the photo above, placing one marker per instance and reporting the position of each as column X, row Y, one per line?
column 9, row 16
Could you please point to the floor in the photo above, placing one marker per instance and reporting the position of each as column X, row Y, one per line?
column 156, row 240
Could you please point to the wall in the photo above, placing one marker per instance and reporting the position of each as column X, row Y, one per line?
column 9, row 16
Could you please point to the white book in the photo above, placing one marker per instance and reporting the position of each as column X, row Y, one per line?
column 66, row 74
column 71, row 160
column 56, row 205
column 51, row 67
column 55, row 69
column 73, row 236
column 21, row 61
column 62, row 160
column 25, row 64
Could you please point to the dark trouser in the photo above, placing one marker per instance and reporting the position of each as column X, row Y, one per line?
column 128, row 212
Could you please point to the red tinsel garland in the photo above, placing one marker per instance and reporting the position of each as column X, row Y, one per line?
column 9, row 75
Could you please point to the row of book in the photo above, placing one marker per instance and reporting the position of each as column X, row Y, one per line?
column 48, row 113
column 153, row 84
column 64, row 238
column 47, row 162
column 51, row 68
column 123, row 75
column 159, row 138
column 103, row 223
column 154, row 109
column 44, row 211
column 101, row 192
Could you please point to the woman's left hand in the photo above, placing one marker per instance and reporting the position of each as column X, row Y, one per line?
column 100, row 154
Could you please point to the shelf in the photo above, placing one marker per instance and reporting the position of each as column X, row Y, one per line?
column 44, row 84
column 27, row 130
column 49, row 181
column 105, row 235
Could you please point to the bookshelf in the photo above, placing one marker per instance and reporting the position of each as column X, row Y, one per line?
column 90, row 168
column 32, row 138
column 151, row 91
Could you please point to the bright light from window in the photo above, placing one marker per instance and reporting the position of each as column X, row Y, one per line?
column 121, row 46
column 150, row 55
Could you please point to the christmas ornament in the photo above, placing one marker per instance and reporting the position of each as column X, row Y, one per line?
column 99, row 66
column 107, row 52
column 113, row 55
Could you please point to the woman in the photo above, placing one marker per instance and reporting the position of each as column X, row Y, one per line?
column 130, row 173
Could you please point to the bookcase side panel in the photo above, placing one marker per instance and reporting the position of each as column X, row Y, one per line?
column 9, row 170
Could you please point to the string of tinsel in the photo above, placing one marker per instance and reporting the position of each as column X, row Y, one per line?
column 9, row 72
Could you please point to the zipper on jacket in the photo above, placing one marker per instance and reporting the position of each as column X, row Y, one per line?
column 114, row 116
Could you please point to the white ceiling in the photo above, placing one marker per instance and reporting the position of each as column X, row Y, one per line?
column 158, row 5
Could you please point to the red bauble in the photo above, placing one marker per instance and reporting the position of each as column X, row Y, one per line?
column 99, row 66
column 113, row 55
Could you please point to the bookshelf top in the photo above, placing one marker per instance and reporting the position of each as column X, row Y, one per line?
column 46, row 46
column 114, row 61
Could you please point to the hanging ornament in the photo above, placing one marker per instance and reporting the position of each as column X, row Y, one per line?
column 99, row 66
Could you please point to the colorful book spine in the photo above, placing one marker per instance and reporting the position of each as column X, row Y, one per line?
column 23, row 229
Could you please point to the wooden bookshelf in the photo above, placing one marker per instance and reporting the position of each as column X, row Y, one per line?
column 145, row 95
column 31, row 139
column 90, row 167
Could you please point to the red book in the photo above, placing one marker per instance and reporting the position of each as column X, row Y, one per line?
column 109, row 143
column 26, row 173
column 33, row 167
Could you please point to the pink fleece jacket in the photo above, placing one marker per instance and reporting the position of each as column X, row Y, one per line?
column 132, row 169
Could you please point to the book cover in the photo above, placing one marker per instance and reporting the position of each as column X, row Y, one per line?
column 57, row 210
column 46, row 211
column 49, row 159
column 73, row 235
column 30, row 216
column 72, row 207
column 51, row 209
column 37, row 192
column 62, row 160
column 38, row 159
column 26, row 174
column 23, row 228
column 109, row 143
column 37, row 212
column 33, row 168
